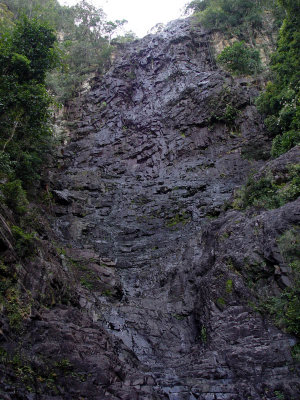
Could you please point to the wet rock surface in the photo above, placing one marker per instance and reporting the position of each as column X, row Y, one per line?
column 162, row 143
column 164, row 269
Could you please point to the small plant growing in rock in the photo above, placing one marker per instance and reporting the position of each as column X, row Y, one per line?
column 177, row 219
column 203, row 334
column 15, row 196
column 107, row 293
column 221, row 302
column 266, row 192
column 285, row 308
column 17, row 308
column 229, row 286
column 224, row 109
column 64, row 365
column 279, row 395
column 25, row 242
column 296, row 352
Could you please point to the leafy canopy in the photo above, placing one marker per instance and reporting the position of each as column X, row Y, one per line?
column 86, row 40
column 235, row 17
column 27, row 53
column 281, row 101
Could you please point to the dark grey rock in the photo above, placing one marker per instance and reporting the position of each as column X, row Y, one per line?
column 146, row 181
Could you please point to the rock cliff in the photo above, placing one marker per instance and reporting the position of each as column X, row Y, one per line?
column 155, row 272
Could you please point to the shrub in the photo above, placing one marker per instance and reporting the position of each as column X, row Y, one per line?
column 234, row 17
column 258, row 193
column 266, row 193
column 15, row 196
column 223, row 108
column 285, row 308
column 282, row 143
column 6, row 166
column 289, row 245
column 280, row 103
column 240, row 59
column 25, row 242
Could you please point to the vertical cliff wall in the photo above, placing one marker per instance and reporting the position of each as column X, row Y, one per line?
column 161, row 143
column 163, row 268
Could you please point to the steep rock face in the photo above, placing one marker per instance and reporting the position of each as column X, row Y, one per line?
column 159, row 145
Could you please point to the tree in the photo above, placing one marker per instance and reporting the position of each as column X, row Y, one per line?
column 280, row 103
column 85, row 40
column 26, row 54
column 196, row 6
column 111, row 28
column 129, row 36
column 235, row 17
column 6, row 19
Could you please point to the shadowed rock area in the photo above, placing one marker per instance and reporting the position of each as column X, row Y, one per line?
column 164, row 272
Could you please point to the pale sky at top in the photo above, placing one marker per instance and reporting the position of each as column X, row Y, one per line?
column 141, row 15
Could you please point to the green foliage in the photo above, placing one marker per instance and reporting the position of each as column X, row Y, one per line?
column 107, row 293
column 22, row 369
column 6, row 19
column 26, row 54
column 280, row 103
column 179, row 317
column 279, row 395
column 282, row 143
column 289, row 245
column 197, row 5
column 6, row 166
column 229, row 286
column 296, row 352
column 236, row 17
column 64, row 365
column 221, row 302
column 285, row 308
column 16, row 306
column 126, row 38
column 179, row 218
column 87, row 281
column 45, row 11
column 267, row 193
column 33, row 42
column 85, row 40
column 25, row 242
column 40, row 375
column 7, row 279
column 223, row 108
column 240, row 59
column 229, row 115
column 87, row 46
column 84, row 274
column 15, row 196
column 203, row 334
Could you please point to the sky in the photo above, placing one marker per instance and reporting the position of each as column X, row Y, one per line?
column 141, row 15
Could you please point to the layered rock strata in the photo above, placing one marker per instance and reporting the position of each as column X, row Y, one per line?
column 165, row 270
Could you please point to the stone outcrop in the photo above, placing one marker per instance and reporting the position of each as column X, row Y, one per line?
column 161, row 270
